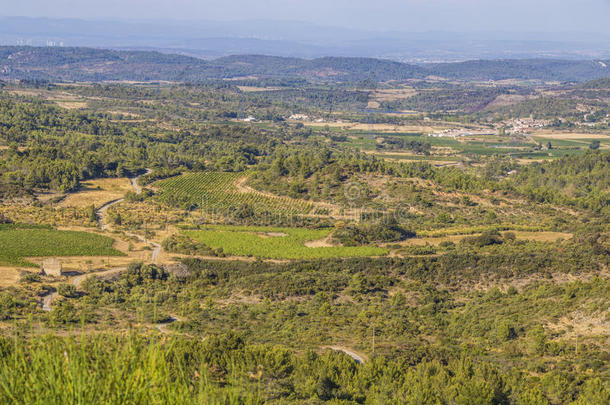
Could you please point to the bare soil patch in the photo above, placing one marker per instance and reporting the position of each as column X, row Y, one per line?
column 325, row 242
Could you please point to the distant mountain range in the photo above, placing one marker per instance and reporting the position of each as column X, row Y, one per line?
column 88, row 64
column 210, row 39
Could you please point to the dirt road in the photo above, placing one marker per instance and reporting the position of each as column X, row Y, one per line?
column 357, row 357
column 48, row 298
column 102, row 218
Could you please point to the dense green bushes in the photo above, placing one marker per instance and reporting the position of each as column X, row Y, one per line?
column 225, row 370
column 382, row 231
column 581, row 181
column 182, row 244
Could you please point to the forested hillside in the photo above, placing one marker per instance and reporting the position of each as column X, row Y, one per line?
column 540, row 69
column 86, row 64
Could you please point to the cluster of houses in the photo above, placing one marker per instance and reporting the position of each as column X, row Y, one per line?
column 455, row 133
column 523, row 125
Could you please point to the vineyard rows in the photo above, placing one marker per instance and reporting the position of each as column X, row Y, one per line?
column 17, row 244
column 218, row 190
column 276, row 243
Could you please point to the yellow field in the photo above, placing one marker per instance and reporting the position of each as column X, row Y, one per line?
column 9, row 276
column 394, row 94
column 98, row 192
column 379, row 96
column 378, row 127
column 570, row 135
column 62, row 99
column 71, row 104
column 251, row 89
column 542, row 236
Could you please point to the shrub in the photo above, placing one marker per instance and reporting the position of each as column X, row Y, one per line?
column 487, row 238
column 67, row 290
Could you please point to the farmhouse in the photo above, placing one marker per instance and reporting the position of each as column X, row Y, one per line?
column 51, row 267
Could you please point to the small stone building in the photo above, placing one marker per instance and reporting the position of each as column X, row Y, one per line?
column 52, row 267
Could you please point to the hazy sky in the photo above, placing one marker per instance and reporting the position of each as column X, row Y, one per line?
column 405, row 15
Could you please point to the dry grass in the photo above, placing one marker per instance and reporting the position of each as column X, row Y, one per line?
column 430, row 241
column 98, row 192
column 578, row 324
column 71, row 104
column 54, row 216
column 569, row 135
column 90, row 263
column 521, row 235
column 62, row 99
column 529, row 161
column 504, row 100
column 10, row 276
column 252, row 89
column 136, row 251
column 379, row 96
column 542, row 236
column 394, row 94
column 378, row 127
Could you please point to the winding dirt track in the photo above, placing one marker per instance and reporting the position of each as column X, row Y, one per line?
column 357, row 358
column 47, row 299
column 101, row 216
column 101, row 213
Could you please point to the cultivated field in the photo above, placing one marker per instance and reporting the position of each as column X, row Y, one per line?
column 276, row 243
column 19, row 243
column 387, row 128
column 572, row 139
column 217, row 190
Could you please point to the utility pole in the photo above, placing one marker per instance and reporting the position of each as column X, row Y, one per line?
column 373, row 340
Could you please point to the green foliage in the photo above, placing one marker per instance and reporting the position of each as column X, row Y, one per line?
column 382, row 231
column 275, row 243
column 218, row 191
column 435, row 324
column 581, row 181
column 63, row 312
column 67, row 290
column 185, row 245
column 487, row 238
column 224, row 369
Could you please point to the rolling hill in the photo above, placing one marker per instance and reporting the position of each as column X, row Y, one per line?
column 88, row 64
